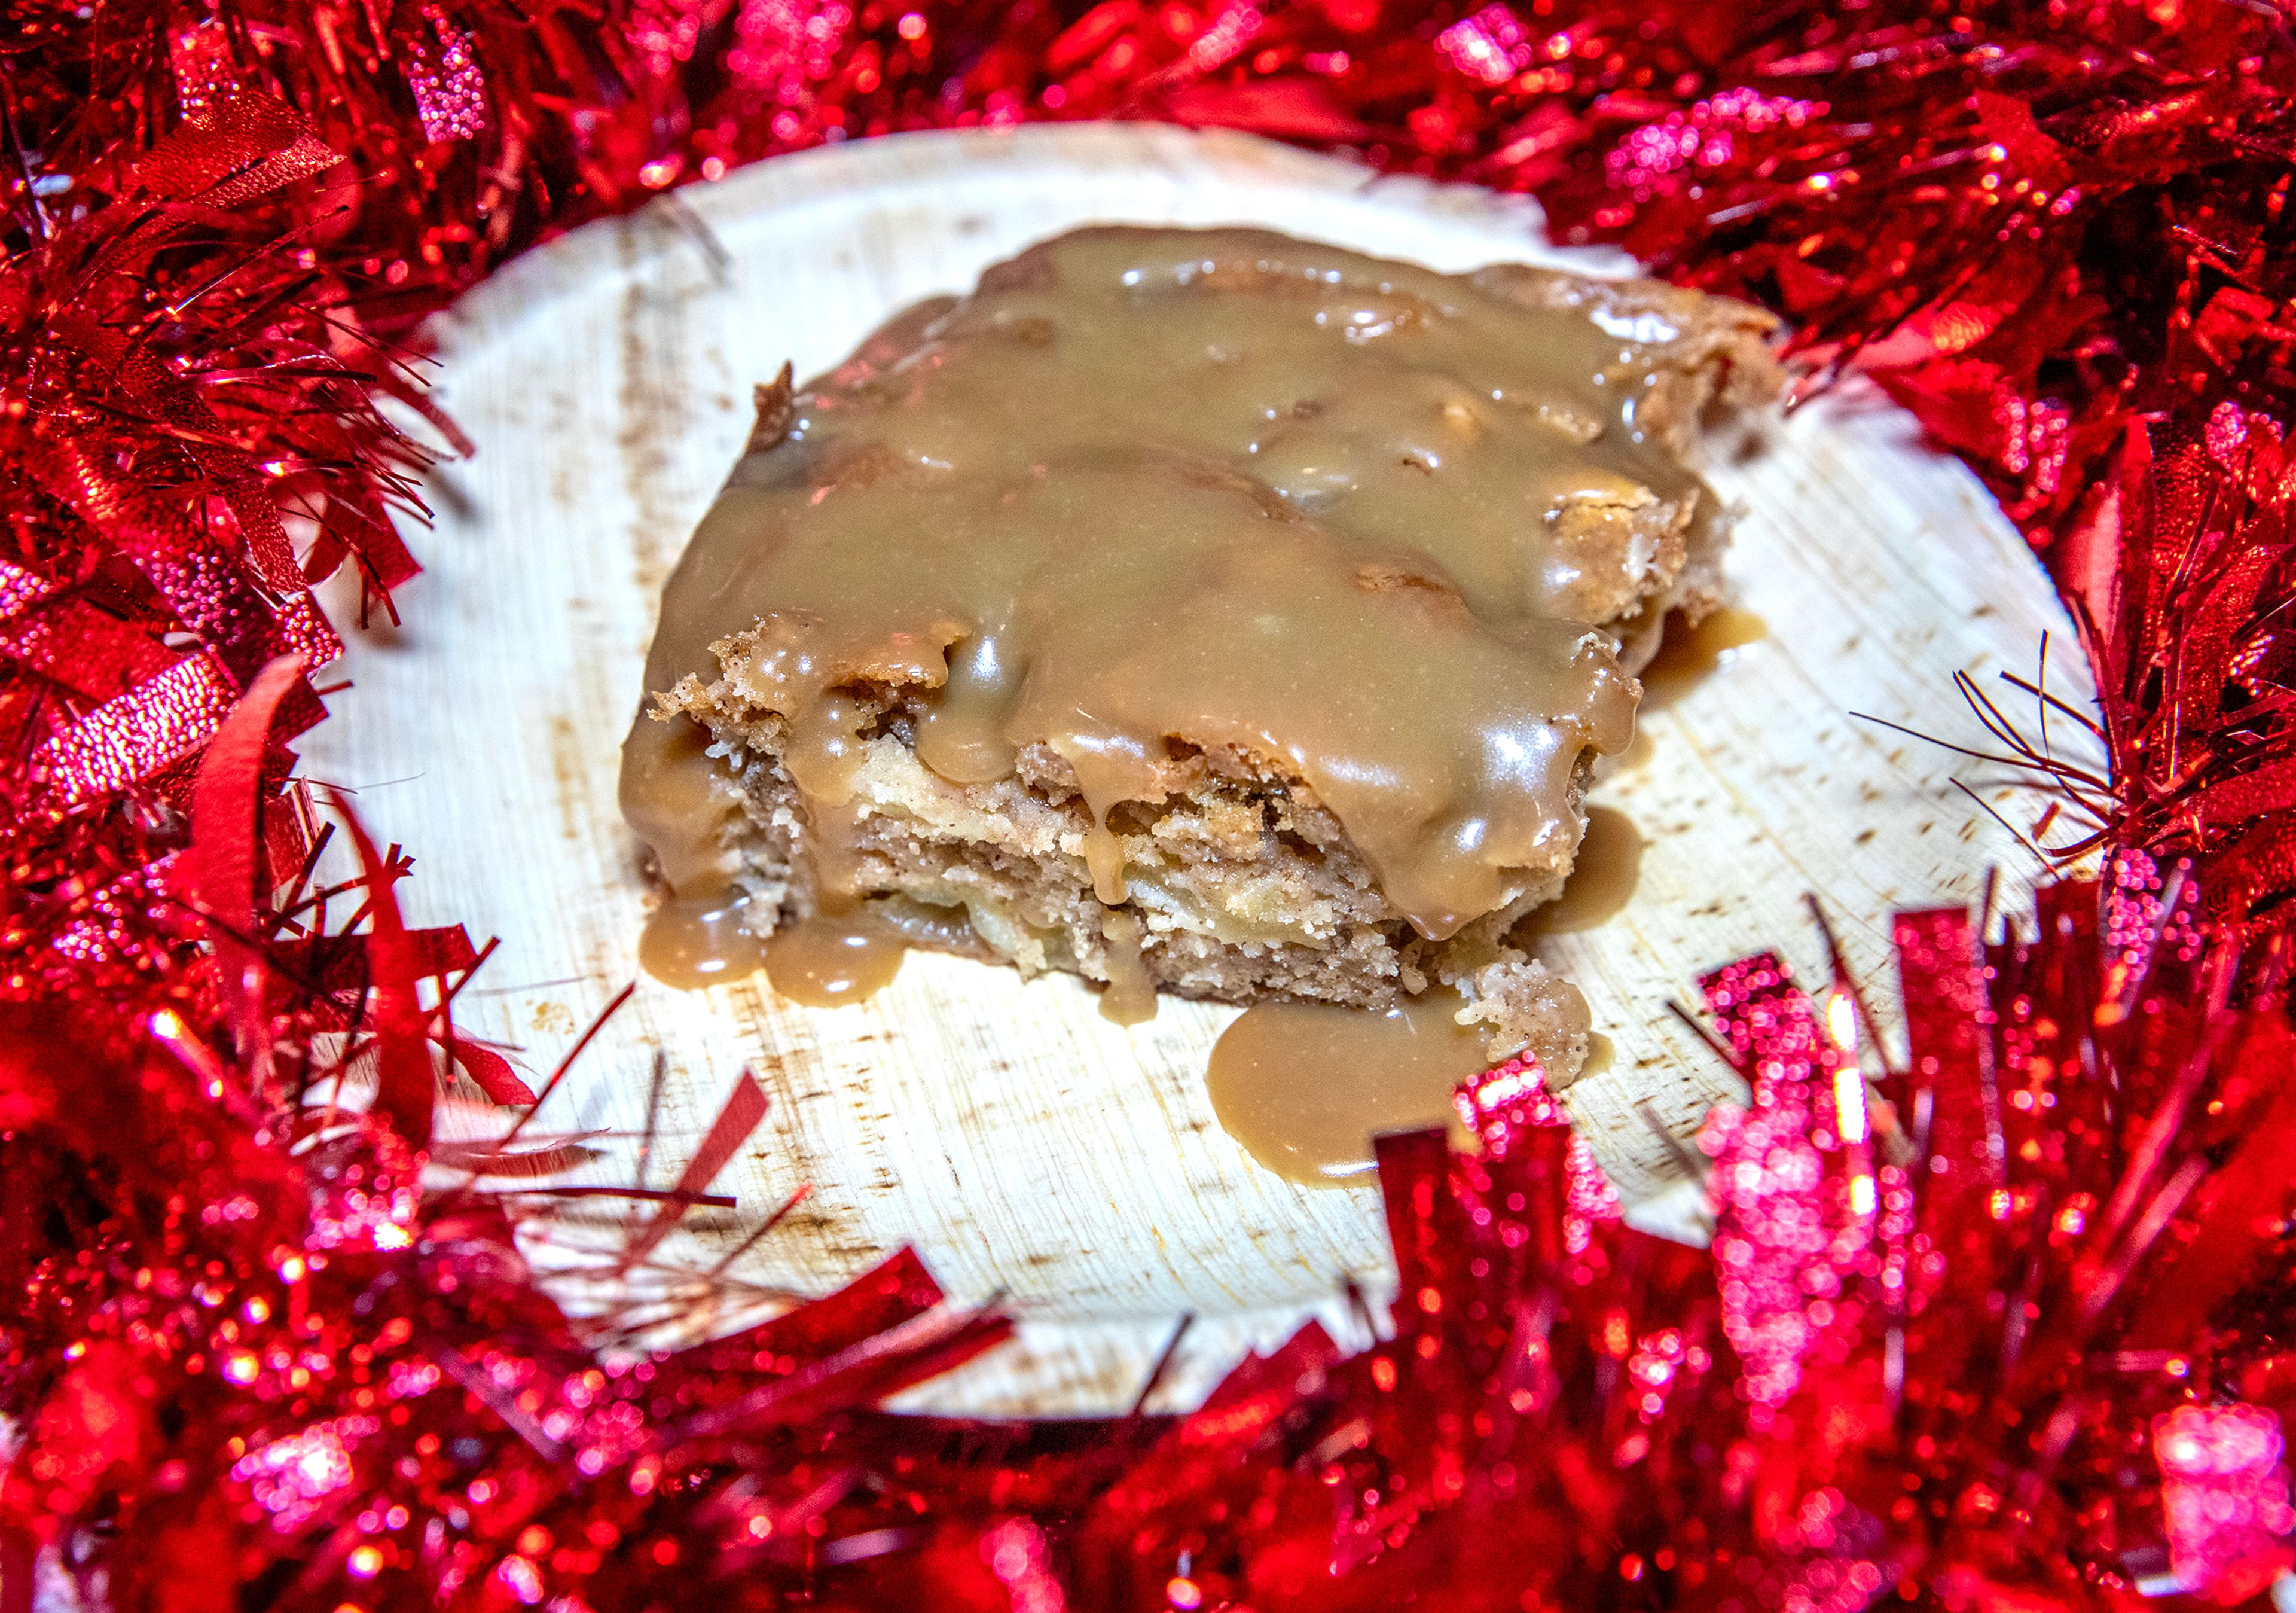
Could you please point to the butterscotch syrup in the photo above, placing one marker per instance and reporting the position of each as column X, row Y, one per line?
column 1687, row 655
column 699, row 940
column 1682, row 658
column 826, row 962
column 1131, row 995
column 1603, row 878
column 1151, row 485
column 1305, row 1086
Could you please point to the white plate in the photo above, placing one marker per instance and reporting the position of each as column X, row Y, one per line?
column 1024, row 1144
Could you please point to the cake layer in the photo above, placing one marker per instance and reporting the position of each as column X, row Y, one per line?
column 1207, row 609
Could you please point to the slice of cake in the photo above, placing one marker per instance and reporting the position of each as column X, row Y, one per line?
column 1203, row 611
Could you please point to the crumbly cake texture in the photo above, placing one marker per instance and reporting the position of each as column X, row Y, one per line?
column 1244, row 887
column 1640, row 560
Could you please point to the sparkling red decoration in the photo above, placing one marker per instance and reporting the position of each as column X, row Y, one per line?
column 2002, row 1324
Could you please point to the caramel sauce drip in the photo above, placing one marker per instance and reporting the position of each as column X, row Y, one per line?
column 1688, row 656
column 701, row 941
column 1602, row 878
column 1305, row 1087
column 1130, row 998
column 1147, row 485
column 828, row 962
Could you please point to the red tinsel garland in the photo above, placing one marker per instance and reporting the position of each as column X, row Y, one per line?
column 2008, row 1329
column 2005, row 1329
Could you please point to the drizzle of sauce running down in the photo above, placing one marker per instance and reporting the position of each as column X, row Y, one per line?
column 1130, row 998
column 828, row 962
column 1223, row 487
column 1687, row 655
column 1305, row 1086
column 1602, row 880
column 701, row 941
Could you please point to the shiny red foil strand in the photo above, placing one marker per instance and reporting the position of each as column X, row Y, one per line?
column 2225, row 1492
column 1783, row 1230
column 2056, row 234
column 297, row 1380
column 182, row 403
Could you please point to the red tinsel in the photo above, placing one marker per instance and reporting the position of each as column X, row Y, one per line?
column 2056, row 234
column 2006, row 1326
column 2002, row 1327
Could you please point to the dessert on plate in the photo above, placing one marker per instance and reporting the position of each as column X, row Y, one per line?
column 1205, row 611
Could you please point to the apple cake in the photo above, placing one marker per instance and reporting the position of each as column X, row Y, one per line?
column 1204, row 611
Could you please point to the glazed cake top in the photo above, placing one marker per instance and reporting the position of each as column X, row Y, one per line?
column 1222, row 488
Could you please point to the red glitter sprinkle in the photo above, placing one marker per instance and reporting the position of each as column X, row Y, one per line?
column 450, row 93
column 2225, row 1492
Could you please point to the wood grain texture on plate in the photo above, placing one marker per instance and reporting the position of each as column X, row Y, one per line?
column 1024, row 1144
